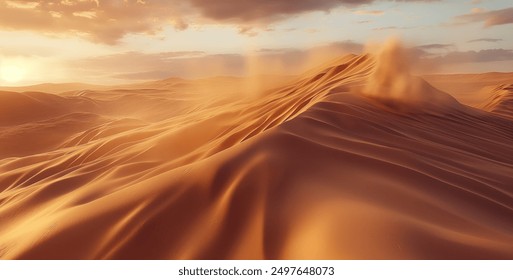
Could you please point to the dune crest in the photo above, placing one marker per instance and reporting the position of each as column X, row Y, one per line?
column 501, row 100
column 315, row 167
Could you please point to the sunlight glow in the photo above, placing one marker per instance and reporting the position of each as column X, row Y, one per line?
column 12, row 73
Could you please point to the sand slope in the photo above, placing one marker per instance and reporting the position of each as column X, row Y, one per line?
column 350, row 160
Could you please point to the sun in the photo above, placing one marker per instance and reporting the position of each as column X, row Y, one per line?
column 12, row 73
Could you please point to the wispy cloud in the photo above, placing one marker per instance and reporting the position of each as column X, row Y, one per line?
column 392, row 28
column 489, row 18
column 369, row 12
column 491, row 40
column 435, row 46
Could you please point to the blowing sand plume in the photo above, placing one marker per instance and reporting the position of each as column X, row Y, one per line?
column 392, row 82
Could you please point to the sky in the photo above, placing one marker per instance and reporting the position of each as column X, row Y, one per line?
column 128, row 41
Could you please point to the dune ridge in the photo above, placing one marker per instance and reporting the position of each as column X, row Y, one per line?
column 501, row 100
column 355, row 159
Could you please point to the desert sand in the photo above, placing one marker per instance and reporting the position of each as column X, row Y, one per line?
column 356, row 159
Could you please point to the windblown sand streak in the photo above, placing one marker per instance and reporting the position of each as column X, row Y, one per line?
column 340, row 163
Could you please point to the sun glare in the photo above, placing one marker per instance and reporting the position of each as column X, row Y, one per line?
column 11, row 73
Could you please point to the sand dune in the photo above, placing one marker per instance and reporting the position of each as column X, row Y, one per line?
column 470, row 89
column 356, row 159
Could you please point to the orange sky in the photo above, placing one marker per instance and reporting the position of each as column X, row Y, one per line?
column 123, row 41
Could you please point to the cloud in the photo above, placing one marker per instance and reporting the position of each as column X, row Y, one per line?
column 247, row 11
column 435, row 46
column 489, row 18
column 369, row 12
column 249, row 31
column 108, row 21
column 96, row 20
column 492, row 40
column 391, row 28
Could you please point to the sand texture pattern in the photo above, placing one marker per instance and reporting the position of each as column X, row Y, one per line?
column 356, row 159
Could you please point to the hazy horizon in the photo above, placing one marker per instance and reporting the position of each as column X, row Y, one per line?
column 120, row 42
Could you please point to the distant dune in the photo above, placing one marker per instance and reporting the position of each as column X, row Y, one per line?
column 356, row 159
column 53, row 88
